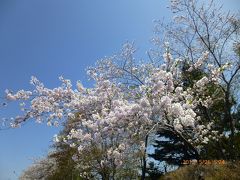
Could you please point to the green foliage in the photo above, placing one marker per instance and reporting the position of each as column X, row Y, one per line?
column 190, row 77
column 171, row 149
column 230, row 170
column 153, row 172
column 66, row 167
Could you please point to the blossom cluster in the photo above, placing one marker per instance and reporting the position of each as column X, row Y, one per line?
column 116, row 115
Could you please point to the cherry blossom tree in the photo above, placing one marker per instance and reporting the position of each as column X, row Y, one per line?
column 41, row 169
column 117, row 115
column 199, row 27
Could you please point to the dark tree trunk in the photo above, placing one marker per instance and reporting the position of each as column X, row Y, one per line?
column 228, row 118
column 144, row 168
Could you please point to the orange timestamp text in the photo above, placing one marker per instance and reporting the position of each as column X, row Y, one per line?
column 203, row 162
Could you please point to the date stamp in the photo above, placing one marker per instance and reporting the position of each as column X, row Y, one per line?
column 203, row 162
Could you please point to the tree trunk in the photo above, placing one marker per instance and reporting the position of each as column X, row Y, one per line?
column 144, row 168
column 228, row 118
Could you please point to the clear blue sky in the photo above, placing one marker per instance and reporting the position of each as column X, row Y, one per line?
column 49, row 38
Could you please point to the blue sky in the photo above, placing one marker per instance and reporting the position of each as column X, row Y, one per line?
column 49, row 38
